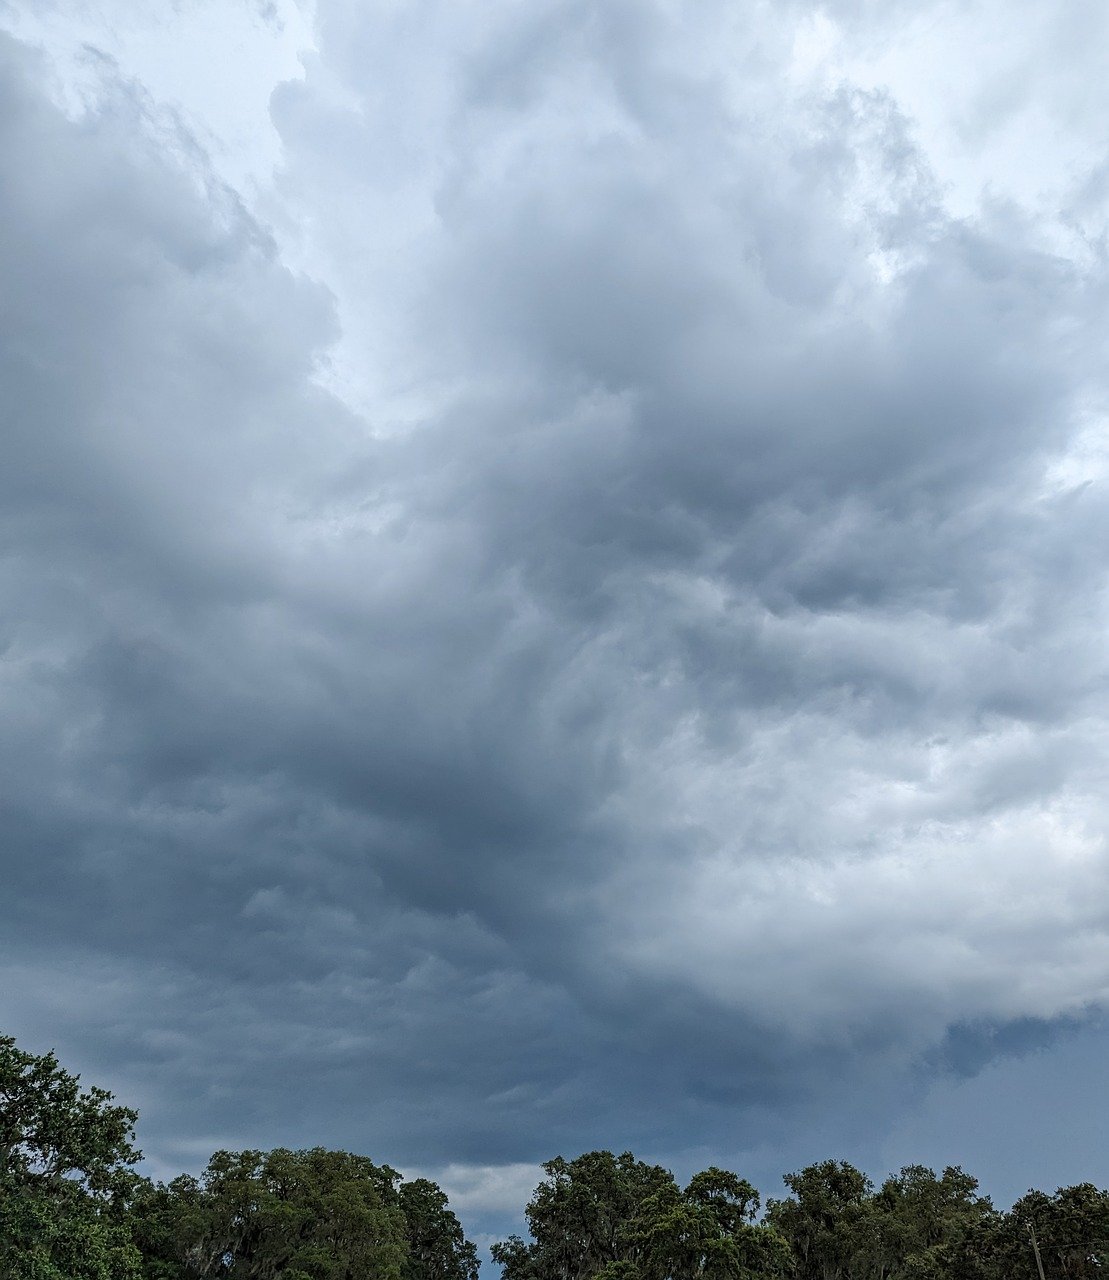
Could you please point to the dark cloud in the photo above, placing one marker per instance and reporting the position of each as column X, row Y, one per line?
column 669, row 712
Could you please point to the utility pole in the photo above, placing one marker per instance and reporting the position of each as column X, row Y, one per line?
column 1036, row 1251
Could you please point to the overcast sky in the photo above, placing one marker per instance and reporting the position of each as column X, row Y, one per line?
column 553, row 579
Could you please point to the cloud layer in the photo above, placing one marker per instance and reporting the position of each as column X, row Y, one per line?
column 575, row 618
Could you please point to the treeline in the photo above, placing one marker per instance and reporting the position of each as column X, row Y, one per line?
column 72, row 1207
column 606, row 1217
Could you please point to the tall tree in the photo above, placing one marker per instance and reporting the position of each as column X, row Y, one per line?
column 828, row 1221
column 707, row 1232
column 581, row 1217
column 65, row 1174
column 606, row 1217
column 277, row 1215
column 300, row 1215
column 1072, row 1232
column 922, row 1221
column 437, row 1247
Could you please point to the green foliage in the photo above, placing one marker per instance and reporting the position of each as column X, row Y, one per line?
column 65, row 1174
column 72, row 1208
column 606, row 1217
column 707, row 1231
column 1072, row 1230
column 583, row 1216
column 437, row 1248
column 917, row 1226
column 277, row 1215
column 921, row 1221
column 827, row 1221
column 164, row 1220
column 300, row 1215
column 603, row 1217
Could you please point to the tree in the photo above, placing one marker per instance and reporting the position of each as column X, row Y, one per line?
column 581, row 1217
column 922, row 1221
column 1072, row 1230
column 166, row 1221
column 277, row 1215
column 707, row 1232
column 65, row 1174
column 437, row 1248
column 300, row 1215
column 606, row 1217
column 828, row 1221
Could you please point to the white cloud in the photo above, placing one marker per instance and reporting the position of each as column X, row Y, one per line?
column 214, row 63
column 500, row 1189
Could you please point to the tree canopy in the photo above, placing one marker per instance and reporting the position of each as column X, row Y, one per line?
column 65, row 1174
column 618, row 1218
column 72, row 1207
column 300, row 1215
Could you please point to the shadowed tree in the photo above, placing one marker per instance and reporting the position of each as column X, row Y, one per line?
column 437, row 1247
column 605, row 1217
column 581, row 1217
column 828, row 1221
column 707, row 1233
column 278, row 1215
column 300, row 1215
column 922, row 1221
column 1072, row 1230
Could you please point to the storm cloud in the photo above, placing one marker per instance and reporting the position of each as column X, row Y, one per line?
column 574, row 616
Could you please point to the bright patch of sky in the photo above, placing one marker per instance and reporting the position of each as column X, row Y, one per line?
column 215, row 62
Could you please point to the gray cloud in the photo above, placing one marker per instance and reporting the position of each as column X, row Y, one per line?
column 659, row 701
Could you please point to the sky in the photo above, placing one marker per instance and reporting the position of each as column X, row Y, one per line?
column 553, row 580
